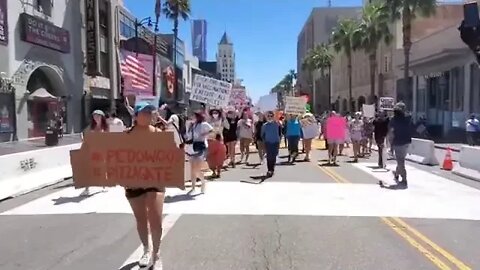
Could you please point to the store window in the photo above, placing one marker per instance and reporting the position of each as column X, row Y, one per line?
column 459, row 85
column 474, row 89
column 44, row 6
column 421, row 95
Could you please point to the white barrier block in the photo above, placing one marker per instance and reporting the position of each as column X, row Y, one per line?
column 26, row 171
column 423, row 152
column 468, row 163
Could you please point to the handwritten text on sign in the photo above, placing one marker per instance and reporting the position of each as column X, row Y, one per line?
column 386, row 103
column 210, row 91
column 295, row 105
column 135, row 160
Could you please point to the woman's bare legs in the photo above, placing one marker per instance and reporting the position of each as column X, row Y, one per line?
column 138, row 205
column 308, row 147
column 154, row 205
column 231, row 152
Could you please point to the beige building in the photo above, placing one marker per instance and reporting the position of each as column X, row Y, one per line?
column 318, row 29
column 388, row 59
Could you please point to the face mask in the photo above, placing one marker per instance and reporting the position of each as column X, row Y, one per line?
column 215, row 115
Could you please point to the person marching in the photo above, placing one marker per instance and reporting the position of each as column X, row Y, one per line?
column 258, row 136
column 356, row 135
column 245, row 134
column 98, row 123
column 401, row 128
column 380, row 132
column 198, row 132
column 230, row 126
column 271, row 134
column 147, row 203
column 293, row 133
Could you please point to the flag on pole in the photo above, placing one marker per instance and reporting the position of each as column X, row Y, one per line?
column 132, row 68
column 158, row 8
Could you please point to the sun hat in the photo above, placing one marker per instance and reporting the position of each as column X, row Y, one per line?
column 98, row 112
column 144, row 107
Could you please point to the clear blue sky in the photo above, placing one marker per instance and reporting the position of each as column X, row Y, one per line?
column 264, row 33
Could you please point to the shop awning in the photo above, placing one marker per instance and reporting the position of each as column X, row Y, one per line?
column 41, row 93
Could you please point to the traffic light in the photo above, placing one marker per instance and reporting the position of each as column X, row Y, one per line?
column 470, row 28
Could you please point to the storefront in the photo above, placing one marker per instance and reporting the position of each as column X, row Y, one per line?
column 7, row 111
column 441, row 68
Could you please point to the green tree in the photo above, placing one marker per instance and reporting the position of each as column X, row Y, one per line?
column 320, row 58
column 406, row 11
column 343, row 40
column 175, row 10
column 373, row 29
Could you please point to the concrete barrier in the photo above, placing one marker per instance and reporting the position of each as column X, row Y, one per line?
column 423, row 152
column 468, row 163
column 26, row 171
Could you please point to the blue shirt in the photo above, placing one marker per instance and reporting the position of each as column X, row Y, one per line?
column 293, row 128
column 271, row 132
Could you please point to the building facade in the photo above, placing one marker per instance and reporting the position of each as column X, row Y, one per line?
column 199, row 39
column 388, row 77
column 446, row 83
column 42, row 71
column 226, row 59
column 316, row 30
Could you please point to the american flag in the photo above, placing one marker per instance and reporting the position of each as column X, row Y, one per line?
column 131, row 67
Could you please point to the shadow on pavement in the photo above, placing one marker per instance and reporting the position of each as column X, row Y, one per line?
column 76, row 199
column 328, row 164
column 180, row 198
column 129, row 266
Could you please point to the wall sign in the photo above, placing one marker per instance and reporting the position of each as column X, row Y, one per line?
column 3, row 22
column 44, row 33
column 92, row 37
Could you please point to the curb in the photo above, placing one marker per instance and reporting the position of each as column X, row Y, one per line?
column 446, row 147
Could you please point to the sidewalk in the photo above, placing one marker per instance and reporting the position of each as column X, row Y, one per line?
column 7, row 148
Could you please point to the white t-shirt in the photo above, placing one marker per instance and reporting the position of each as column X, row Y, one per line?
column 174, row 120
column 116, row 125
column 201, row 131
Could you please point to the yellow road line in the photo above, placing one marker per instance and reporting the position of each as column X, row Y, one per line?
column 429, row 242
column 391, row 222
column 434, row 259
column 327, row 172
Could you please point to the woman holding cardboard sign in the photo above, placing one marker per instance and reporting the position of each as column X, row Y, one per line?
column 98, row 123
column 147, row 203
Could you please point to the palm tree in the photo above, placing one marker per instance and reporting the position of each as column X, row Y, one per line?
column 176, row 10
column 373, row 29
column 318, row 58
column 343, row 40
column 406, row 10
column 289, row 78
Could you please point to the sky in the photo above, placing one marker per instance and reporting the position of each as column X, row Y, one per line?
column 264, row 33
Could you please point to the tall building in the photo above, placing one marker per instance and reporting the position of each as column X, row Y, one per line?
column 199, row 39
column 318, row 29
column 226, row 59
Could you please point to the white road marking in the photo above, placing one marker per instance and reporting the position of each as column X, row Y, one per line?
column 168, row 223
column 428, row 196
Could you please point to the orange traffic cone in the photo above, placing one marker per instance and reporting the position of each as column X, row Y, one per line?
column 447, row 162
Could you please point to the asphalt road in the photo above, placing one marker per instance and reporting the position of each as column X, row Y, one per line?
column 306, row 217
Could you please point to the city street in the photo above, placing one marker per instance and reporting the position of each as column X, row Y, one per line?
column 306, row 217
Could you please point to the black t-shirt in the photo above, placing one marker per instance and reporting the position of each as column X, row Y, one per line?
column 380, row 127
column 258, row 130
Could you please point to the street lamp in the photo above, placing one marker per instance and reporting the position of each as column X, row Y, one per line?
column 148, row 23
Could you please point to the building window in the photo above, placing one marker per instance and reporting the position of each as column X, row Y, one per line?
column 104, row 65
column 44, row 6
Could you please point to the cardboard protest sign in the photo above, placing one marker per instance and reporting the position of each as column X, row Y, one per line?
column 210, row 91
column 368, row 110
column 386, row 104
column 336, row 128
column 295, row 105
column 309, row 126
column 238, row 97
column 139, row 159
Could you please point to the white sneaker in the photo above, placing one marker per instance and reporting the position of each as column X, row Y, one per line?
column 145, row 259
column 85, row 192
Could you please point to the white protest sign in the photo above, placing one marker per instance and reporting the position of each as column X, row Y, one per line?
column 310, row 126
column 210, row 91
column 386, row 104
column 295, row 105
column 368, row 110
column 268, row 102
